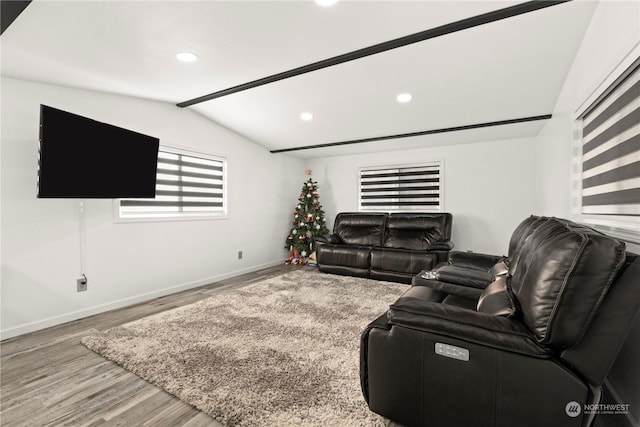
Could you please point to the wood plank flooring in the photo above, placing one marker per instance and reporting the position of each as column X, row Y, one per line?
column 48, row 378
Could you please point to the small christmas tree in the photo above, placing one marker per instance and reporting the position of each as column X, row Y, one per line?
column 308, row 222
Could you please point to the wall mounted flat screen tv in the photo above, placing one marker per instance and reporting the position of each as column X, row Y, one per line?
column 83, row 158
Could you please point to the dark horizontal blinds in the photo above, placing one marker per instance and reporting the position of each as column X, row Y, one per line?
column 400, row 188
column 611, row 149
column 185, row 185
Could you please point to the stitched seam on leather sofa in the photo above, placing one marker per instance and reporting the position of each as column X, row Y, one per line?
column 560, row 297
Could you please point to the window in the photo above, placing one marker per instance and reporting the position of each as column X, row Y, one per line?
column 610, row 178
column 187, row 185
column 402, row 187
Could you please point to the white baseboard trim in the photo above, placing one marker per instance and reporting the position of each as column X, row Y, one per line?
column 90, row 311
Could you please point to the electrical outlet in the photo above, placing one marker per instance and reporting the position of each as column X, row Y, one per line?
column 82, row 284
column 239, row 254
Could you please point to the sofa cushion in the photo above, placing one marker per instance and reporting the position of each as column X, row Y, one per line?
column 496, row 299
column 360, row 229
column 564, row 273
column 418, row 232
column 458, row 301
column 352, row 256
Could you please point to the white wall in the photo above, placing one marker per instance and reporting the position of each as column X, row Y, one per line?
column 613, row 33
column 611, row 40
column 488, row 187
column 127, row 262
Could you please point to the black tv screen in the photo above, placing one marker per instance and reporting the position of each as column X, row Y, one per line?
column 83, row 158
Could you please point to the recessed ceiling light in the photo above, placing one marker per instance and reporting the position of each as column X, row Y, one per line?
column 326, row 2
column 187, row 56
column 306, row 116
column 404, row 97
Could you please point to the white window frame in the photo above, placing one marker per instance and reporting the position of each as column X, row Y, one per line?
column 626, row 228
column 429, row 163
column 183, row 216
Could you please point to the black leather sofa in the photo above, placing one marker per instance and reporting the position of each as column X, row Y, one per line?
column 532, row 349
column 382, row 246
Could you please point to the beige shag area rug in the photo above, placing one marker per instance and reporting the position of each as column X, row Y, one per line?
column 281, row 352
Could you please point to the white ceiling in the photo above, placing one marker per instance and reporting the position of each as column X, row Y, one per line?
column 504, row 70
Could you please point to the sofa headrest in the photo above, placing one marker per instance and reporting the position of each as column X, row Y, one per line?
column 417, row 231
column 360, row 229
column 522, row 231
column 564, row 273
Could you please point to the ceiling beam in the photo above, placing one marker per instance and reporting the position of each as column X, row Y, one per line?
column 442, row 30
column 420, row 133
column 9, row 11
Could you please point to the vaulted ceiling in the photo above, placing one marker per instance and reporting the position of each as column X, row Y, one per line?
column 505, row 70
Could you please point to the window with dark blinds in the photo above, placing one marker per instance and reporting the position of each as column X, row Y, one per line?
column 611, row 149
column 401, row 188
column 186, row 185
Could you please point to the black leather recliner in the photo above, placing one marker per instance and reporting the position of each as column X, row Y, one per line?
column 382, row 246
column 531, row 350
column 477, row 270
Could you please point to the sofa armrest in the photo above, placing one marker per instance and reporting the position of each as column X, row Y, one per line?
column 460, row 276
column 473, row 260
column 329, row 238
column 379, row 323
column 467, row 325
column 442, row 246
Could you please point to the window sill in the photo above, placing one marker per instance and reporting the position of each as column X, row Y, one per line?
column 120, row 220
column 627, row 229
